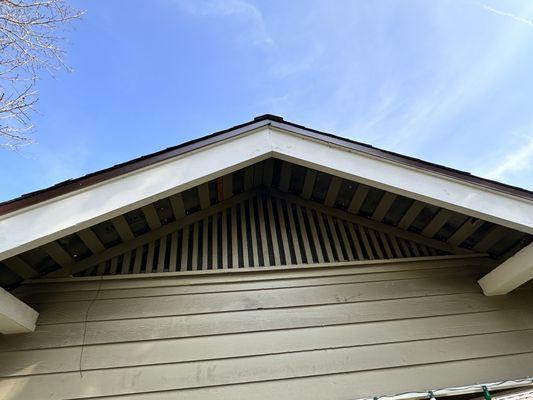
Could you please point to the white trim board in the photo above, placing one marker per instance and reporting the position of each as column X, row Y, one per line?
column 15, row 316
column 41, row 223
column 512, row 273
column 47, row 221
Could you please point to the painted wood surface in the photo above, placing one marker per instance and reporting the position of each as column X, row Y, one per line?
column 265, row 220
column 334, row 332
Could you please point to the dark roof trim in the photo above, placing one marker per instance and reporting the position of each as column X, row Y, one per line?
column 263, row 120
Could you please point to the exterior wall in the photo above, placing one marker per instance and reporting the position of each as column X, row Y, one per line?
column 343, row 332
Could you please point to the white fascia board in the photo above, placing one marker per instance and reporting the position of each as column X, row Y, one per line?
column 438, row 189
column 15, row 316
column 512, row 273
column 41, row 223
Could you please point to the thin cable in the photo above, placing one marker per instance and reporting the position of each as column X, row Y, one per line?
column 85, row 323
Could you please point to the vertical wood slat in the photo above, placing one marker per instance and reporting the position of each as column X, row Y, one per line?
column 366, row 243
column 396, row 247
column 161, row 254
column 184, row 248
column 214, row 233
column 101, row 268
column 314, row 234
column 294, row 234
column 273, row 235
column 173, row 259
column 321, row 237
column 386, row 246
column 406, row 250
column 205, row 233
column 234, row 241
column 336, row 241
column 325, row 238
column 138, row 260
column 150, row 256
column 355, row 239
column 126, row 263
column 113, row 267
column 283, row 229
column 253, row 233
column 224, row 238
column 244, row 237
column 194, row 258
column 305, row 236
column 375, row 244
column 345, row 240
column 262, row 231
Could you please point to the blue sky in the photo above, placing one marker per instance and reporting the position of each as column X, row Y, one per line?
column 447, row 81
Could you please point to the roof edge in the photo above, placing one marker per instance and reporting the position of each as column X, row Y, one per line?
column 275, row 121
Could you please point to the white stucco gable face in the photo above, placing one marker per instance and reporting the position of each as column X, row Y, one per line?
column 49, row 220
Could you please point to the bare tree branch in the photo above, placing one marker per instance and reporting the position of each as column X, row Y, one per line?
column 30, row 43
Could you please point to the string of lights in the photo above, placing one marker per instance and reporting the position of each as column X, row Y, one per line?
column 484, row 388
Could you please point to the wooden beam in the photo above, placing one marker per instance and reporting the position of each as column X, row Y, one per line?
column 227, row 186
column 358, row 198
column 333, row 191
column 150, row 214
column 268, row 172
column 469, row 227
column 90, row 240
column 20, row 267
column 411, row 214
column 437, row 222
column 15, row 316
column 510, row 274
column 383, row 206
column 141, row 240
column 178, row 208
column 491, row 238
column 123, row 229
column 309, row 183
column 58, row 253
column 285, row 176
column 248, row 178
column 203, row 196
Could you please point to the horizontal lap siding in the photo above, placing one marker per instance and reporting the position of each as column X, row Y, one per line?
column 345, row 333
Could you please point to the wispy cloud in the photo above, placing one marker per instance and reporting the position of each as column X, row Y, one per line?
column 518, row 159
column 507, row 14
column 241, row 9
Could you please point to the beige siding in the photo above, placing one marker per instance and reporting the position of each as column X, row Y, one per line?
column 337, row 333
